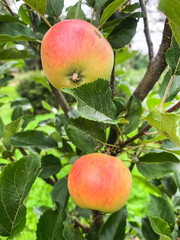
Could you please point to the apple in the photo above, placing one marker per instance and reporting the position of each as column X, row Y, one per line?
column 100, row 182
column 74, row 52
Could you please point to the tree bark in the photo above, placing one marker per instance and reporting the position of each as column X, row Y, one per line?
column 156, row 66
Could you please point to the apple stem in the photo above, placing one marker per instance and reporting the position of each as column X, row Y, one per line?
column 98, row 218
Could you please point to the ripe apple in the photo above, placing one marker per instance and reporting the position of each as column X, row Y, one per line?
column 74, row 52
column 100, row 182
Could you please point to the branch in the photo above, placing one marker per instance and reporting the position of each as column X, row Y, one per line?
column 7, row 6
column 98, row 218
column 174, row 108
column 61, row 99
column 49, row 181
column 24, row 153
column 113, row 75
column 77, row 224
column 156, row 66
column 146, row 30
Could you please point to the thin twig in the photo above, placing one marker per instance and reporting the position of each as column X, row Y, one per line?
column 55, row 178
column 24, row 153
column 12, row 159
column 168, row 86
column 146, row 30
column 49, row 181
column 148, row 126
column 131, row 166
column 77, row 224
column 61, row 99
column 166, row 92
column 174, row 107
column 93, row 13
column 7, row 6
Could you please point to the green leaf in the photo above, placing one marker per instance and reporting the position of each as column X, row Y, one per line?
column 9, row 18
column 147, row 230
column 54, row 219
column 7, row 66
column 100, row 4
column 50, row 226
column 24, row 15
column 156, row 165
column 7, row 154
column 169, row 184
column 110, row 9
column 38, row 5
column 22, row 102
column 147, row 184
column 60, row 194
column 91, row 3
column 17, row 113
column 87, row 135
column 123, row 33
column 126, row 87
column 10, row 129
column 171, row 10
column 14, row 53
column 167, row 124
column 16, row 181
column 114, row 228
column 124, row 54
column 75, row 12
column 162, row 208
column 131, row 7
column 173, row 58
column 134, row 111
column 95, row 101
column 54, row 7
column 160, row 227
column 15, row 31
column 97, row 4
column 33, row 138
column 5, row 79
column 47, row 106
column 174, row 88
column 40, row 78
column 50, row 166
column 71, row 233
column 1, row 127
column 60, row 121
column 27, row 119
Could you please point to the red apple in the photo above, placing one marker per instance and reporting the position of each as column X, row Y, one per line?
column 99, row 182
column 74, row 52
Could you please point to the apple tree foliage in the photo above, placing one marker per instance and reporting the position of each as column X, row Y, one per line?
column 144, row 127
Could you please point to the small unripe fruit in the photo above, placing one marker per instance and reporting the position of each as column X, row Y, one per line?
column 74, row 52
column 100, row 182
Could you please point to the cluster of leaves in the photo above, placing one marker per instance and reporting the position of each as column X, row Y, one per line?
column 31, row 152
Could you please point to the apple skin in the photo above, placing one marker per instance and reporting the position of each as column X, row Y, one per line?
column 100, row 182
column 74, row 52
